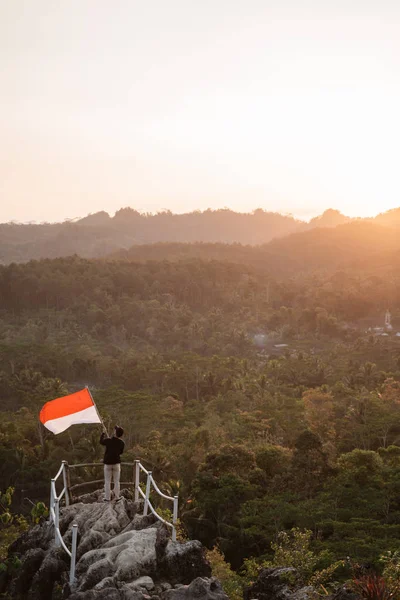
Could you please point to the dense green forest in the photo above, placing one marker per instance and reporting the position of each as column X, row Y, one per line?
column 99, row 235
column 264, row 398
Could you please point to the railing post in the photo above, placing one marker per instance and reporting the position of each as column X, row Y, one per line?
column 73, row 553
column 52, row 484
column 57, row 521
column 175, row 518
column 65, row 481
column 137, row 479
column 70, row 495
column 146, row 502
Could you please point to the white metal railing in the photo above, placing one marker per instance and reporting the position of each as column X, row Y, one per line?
column 138, row 467
column 67, row 491
column 146, row 497
column 54, row 511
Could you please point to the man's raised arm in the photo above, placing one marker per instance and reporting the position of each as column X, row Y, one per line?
column 103, row 438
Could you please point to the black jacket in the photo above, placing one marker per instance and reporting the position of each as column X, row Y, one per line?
column 114, row 448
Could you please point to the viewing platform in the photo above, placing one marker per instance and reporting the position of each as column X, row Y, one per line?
column 67, row 493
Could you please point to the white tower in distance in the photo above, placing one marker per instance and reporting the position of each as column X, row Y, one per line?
column 388, row 319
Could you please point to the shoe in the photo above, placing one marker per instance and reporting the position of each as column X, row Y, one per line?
column 105, row 500
column 118, row 499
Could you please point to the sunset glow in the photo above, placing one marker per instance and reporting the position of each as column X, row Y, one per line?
column 289, row 106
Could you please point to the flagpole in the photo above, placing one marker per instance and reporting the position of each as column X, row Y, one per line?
column 98, row 414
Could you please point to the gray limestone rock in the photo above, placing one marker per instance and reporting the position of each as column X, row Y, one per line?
column 127, row 593
column 107, row 582
column 98, row 495
column 98, row 570
column 181, row 563
column 199, row 589
column 165, row 586
column 92, row 540
column 121, row 555
column 39, row 536
column 141, row 522
column 105, row 594
column 107, row 518
column 304, row 593
column 344, row 593
column 144, row 582
column 125, row 558
column 133, row 553
column 31, row 564
column 51, row 570
column 272, row 584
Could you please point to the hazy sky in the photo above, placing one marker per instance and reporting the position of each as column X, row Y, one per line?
column 288, row 105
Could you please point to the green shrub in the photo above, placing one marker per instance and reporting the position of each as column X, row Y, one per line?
column 231, row 581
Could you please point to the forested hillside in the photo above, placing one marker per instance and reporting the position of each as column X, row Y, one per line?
column 263, row 400
column 99, row 235
column 279, row 244
column 359, row 243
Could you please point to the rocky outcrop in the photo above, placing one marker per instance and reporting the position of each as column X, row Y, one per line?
column 273, row 584
column 121, row 555
column 344, row 593
column 200, row 588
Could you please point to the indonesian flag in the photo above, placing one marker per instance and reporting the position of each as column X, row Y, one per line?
column 57, row 415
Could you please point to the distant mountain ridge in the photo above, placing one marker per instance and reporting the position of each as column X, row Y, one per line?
column 329, row 218
column 365, row 246
column 99, row 235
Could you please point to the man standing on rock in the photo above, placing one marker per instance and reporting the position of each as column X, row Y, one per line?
column 112, row 461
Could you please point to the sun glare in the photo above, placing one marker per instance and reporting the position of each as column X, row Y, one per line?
column 288, row 107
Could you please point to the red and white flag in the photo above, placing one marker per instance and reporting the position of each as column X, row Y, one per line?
column 57, row 415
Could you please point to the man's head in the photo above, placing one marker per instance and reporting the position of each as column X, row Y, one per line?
column 119, row 432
